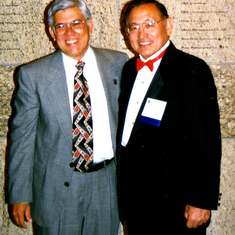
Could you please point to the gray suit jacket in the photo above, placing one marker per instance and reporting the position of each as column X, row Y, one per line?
column 41, row 139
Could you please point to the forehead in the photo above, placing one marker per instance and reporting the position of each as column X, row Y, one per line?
column 68, row 15
column 144, row 12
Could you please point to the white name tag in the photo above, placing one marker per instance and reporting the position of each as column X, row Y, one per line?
column 153, row 112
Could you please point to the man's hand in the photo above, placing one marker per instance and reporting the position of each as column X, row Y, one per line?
column 21, row 213
column 196, row 216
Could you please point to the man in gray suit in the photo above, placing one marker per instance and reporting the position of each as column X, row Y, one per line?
column 46, row 181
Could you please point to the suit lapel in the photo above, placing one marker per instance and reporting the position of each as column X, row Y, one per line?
column 128, row 80
column 58, row 97
column 110, row 81
column 104, row 70
column 153, row 92
column 163, row 75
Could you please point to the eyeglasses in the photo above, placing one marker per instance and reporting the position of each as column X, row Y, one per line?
column 148, row 25
column 61, row 28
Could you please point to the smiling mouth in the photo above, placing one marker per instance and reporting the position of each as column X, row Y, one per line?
column 144, row 43
column 71, row 41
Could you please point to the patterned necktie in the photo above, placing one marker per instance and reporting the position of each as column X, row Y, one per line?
column 82, row 123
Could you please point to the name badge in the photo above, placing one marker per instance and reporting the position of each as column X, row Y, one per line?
column 153, row 112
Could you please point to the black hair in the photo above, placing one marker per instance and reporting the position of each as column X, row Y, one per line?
column 135, row 3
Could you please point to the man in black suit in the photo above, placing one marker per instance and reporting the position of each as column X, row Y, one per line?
column 169, row 132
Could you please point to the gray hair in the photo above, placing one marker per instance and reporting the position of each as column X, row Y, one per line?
column 58, row 5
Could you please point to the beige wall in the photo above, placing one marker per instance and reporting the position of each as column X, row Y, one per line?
column 203, row 28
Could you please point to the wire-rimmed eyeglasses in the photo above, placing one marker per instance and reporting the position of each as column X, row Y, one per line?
column 147, row 25
column 62, row 28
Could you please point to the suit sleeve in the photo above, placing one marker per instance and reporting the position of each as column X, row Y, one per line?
column 23, row 136
column 202, row 138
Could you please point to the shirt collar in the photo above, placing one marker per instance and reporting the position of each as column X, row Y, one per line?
column 70, row 62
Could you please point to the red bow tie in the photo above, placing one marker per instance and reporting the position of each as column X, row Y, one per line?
column 140, row 64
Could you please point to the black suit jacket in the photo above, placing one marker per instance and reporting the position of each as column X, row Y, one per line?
column 177, row 163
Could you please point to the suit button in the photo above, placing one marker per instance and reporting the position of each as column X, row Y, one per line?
column 71, row 165
column 66, row 184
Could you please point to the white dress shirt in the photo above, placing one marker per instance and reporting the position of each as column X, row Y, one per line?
column 102, row 142
column 143, row 80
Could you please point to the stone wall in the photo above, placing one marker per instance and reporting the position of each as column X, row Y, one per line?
column 203, row 28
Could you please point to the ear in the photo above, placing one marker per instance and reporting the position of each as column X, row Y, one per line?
column 169, row 26
column 90, row 25
column 51, row 31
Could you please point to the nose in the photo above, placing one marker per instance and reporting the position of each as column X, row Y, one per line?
column 142, row 31
column 69, row 30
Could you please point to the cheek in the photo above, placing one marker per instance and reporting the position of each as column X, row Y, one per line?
column 60, row 43
column 133, row 41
